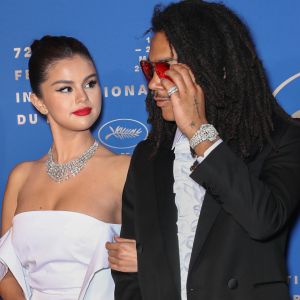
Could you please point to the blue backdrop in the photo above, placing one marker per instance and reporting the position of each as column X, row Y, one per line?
column 114, row 33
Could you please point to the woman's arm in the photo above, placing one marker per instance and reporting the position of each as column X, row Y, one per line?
column 9, row 287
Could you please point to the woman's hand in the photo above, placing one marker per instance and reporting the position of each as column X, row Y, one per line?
column 122, row 255
column 188, row 103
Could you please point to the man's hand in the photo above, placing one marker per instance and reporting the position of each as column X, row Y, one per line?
column 188, row 103
column 122, row 255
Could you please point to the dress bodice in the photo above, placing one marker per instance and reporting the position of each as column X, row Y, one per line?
column 58, row 251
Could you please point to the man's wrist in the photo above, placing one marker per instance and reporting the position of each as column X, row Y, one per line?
column 205, row 134
column 202, row 147
column 192, row 128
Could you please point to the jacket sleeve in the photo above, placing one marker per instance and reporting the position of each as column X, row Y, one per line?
column 127, row 284
column 262, row 204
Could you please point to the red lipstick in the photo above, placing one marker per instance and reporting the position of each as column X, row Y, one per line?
column 82, row 112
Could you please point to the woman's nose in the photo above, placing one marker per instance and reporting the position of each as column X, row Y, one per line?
column 81, row 96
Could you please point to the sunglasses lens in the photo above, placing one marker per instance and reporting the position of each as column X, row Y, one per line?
column 161, row 68
column 147, row 69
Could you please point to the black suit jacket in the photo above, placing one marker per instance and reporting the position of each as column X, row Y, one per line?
column 240, row 241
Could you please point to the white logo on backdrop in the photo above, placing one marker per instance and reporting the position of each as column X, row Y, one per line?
column 122, row 133
column 296, row 114
column 285, row 83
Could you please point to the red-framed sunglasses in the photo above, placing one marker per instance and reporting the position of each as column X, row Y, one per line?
column 159, row 68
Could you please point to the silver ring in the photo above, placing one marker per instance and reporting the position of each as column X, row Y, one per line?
column 172, row 90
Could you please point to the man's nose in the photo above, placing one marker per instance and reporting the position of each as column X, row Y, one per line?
column 154, row 83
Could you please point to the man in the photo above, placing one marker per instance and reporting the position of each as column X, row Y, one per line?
column 210, row 223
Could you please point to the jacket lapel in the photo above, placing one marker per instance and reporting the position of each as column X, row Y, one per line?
column 167, row 210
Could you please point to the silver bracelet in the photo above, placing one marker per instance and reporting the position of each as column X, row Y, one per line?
column 204, row 133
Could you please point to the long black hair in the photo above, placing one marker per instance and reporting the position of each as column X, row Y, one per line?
column 218, row 48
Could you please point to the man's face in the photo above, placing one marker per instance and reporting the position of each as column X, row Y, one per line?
column 160, row 51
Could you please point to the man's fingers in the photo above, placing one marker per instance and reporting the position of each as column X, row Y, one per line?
column 122, row 255
column 177, row 80
column 167, row 84
column 113, row 260
column 189, row 70
column 111, row 246
column 113, row 253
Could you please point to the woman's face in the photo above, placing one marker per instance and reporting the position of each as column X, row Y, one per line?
column 71, row 94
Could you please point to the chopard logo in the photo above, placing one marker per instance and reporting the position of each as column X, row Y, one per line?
column 122, row 133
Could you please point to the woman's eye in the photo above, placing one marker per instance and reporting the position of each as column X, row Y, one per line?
column 65, row 89
column 91, row 84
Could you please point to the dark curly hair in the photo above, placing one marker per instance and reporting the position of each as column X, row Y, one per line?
column 218, row 48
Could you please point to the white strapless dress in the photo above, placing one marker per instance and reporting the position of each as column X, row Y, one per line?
column 59, row 255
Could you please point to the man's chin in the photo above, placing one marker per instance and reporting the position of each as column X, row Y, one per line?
column 167, row 116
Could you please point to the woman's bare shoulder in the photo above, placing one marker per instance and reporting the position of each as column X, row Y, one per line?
column 112, row 158
column 23, row 169
column 15, row 182
column 114, row 165
column 123, row 160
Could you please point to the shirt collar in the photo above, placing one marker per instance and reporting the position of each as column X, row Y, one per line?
column 179, row 137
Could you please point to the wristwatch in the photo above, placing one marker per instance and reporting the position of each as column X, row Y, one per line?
column 204, row 133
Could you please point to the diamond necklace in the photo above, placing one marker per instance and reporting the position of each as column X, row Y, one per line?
column 62, row 172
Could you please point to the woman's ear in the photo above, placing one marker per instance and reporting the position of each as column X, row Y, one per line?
column 38, row 104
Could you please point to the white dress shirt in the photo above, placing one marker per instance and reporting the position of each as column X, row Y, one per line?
column 189, row 197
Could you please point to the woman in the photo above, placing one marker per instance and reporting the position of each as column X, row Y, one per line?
column 60, row 210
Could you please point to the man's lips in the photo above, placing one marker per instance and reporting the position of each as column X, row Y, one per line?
column 83, row 111
column 162, row 101
column 161, row 98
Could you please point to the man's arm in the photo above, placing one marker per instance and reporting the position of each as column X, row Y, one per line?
column 127, row 284
column 262, row 206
